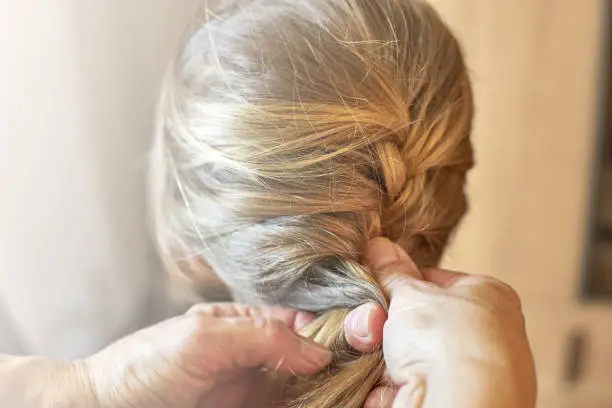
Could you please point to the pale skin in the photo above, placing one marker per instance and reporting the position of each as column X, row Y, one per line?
column 450, row 340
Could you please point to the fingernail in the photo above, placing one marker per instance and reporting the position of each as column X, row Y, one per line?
column 387, row 397
column 359, row 321
column 315, row 353
column 302, row 320
column 384, row 252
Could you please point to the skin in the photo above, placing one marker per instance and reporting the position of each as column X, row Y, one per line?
column 450, row 339
column 214, row 357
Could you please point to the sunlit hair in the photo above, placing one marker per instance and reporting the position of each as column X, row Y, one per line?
column 291, row 133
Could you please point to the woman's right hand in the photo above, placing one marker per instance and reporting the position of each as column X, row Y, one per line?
column 451, row 339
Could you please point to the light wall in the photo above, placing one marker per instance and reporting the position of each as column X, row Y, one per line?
column 78, row 82
column 536, row 67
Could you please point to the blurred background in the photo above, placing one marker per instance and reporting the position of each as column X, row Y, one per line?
column 79, row 79
column 541, row 193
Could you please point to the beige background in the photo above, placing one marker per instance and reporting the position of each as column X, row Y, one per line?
column 536, row 70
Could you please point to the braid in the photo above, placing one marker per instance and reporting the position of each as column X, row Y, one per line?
column 299, row 131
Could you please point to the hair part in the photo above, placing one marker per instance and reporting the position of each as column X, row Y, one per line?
column 292, row 133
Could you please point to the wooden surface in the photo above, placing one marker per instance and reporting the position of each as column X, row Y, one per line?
column 536, row 72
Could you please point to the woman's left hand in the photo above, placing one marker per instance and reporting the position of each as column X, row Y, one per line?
column 213, row 356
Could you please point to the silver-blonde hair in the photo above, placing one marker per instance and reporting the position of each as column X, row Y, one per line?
column 291, row 133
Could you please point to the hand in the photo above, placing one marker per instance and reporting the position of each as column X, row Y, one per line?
column 451, row 339
column 212, row 357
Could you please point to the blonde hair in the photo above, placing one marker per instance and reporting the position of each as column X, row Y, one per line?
column 291, row 133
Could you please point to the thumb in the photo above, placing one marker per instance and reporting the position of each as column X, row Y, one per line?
column 390, row 263
column 268, row 343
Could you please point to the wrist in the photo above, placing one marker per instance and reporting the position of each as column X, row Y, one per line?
column 39, row 382
column 66, row 385
column 80, row 379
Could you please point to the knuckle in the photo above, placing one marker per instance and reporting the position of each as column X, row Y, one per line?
column 242, row 310
column 269, row 327
column 511, row 294
column 273, row 328
column 252, row 311
column 492, row 289
column 200, row 308
column 197, row 325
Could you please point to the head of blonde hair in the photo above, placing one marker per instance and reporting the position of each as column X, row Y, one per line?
column 293, row 132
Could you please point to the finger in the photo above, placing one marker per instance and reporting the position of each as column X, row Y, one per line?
column 381, row 252
column 292, row 318
column 442, row 277
column 410, row 395
column 386, row 379
column 363, row 327
column 391, row 265
column 381, row 397
column 224, row 310
column 244, row 343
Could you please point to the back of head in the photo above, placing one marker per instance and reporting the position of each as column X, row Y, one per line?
column 291, row 133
